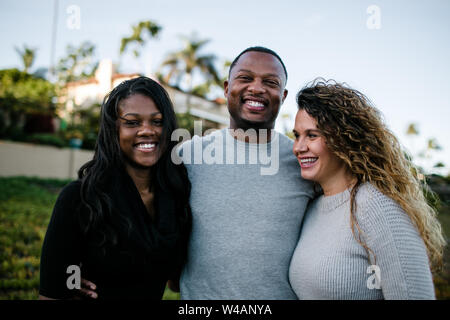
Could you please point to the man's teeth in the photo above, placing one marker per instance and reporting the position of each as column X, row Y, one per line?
column 255, row 103
column 308, row 160
column 146, row 145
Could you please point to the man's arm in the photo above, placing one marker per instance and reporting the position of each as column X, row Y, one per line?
column 87, row 289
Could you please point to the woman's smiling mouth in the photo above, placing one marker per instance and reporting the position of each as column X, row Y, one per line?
column 146, row 147
column 307, row 162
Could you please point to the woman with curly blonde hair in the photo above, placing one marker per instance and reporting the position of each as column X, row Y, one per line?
column 371, row 234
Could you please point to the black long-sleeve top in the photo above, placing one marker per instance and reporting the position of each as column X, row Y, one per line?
column 148, row 252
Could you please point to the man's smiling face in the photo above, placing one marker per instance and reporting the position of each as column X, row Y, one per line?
column 255, row 91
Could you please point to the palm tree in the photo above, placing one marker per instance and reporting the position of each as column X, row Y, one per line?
column 412, row 130
column 185, row 62
column 137, row 37
column 78, row 64
column 27, row 55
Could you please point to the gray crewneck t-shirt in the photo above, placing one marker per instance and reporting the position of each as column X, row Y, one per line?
column 330, row 264
column 247, row 202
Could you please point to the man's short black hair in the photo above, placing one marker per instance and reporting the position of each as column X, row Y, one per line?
column 258, row 49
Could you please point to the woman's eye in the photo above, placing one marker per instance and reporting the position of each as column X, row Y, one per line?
column 158, row 122
column 131, row 122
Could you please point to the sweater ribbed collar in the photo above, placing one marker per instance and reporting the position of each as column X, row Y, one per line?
column 330, row 203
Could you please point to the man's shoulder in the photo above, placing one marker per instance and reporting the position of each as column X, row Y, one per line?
column 185, row 149
column 205, row 138
column 284, row 138
column 285, row 148
column 286, row 143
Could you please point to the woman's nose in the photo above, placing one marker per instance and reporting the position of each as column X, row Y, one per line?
column 300, row 146
column 146, row 130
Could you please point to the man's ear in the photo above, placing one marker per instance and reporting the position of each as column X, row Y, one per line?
column 225, row 87
column 285, row 93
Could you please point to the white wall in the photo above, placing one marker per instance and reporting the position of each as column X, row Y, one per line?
column 25, row 159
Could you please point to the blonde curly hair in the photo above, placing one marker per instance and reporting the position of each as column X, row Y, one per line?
column 354, row 131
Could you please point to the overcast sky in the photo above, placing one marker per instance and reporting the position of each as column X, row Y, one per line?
column 395, row 52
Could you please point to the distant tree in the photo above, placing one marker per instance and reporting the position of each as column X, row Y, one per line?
column 137, row 36
column 213, row 87
column 432, row 144
column 412, row 130
column 22, row 95
column 439, row 165
column 203, row 89
column 211, row 84
column 77, row 64
column 183, row 63
column 27, row 55
column 427, row 151
column 218, row 85
column 225, row 71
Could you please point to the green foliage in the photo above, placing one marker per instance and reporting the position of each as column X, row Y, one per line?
column 22, row 92
column 77, row 64
column 442, row 280
column 431, row 197
column 25, row 208
column 425, row 152
column 84, row 125
column 412, row 129
column 26, row 205
column 170, row 295
column 137, row 36
column 27, row 55
column 203, row 89
column 183, row 63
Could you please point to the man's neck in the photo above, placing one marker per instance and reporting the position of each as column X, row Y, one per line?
column 250, row 134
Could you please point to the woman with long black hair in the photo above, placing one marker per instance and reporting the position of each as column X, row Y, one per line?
column 125, row 222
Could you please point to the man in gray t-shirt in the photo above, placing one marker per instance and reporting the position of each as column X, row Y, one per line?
column 248, row 198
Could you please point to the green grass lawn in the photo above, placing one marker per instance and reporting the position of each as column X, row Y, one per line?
column 442, row 280
column 25, row 209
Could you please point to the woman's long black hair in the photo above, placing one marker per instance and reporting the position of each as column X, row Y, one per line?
column 108, row 158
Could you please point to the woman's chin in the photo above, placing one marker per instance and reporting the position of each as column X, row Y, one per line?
column 307, row 175
column 142, row 165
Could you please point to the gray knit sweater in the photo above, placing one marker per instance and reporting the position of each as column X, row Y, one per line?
column 329, row 263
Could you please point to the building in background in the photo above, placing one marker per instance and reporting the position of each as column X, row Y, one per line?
column 88, row 92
